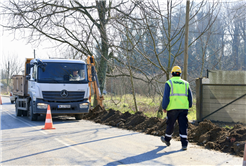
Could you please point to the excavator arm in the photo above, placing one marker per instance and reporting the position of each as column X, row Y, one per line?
column 93, row 81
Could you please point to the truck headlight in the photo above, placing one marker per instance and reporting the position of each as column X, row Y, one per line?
column 42, row 105
column 83, row 105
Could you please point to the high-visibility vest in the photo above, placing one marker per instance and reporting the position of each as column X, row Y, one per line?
column 178, row 94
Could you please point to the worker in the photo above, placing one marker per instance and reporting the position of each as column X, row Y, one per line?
column 75, row 75
column 177, row 99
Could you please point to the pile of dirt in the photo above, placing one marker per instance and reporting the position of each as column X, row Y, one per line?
column 205, row 133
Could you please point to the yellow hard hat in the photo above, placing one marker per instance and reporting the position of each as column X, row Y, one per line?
column 176, row 69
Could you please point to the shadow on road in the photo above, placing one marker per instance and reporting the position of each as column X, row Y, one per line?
column 151, row 155
column 66, row 146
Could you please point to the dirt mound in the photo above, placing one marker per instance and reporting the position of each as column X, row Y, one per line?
column 205, row 133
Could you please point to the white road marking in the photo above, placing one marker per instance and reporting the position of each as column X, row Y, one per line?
column 85, row 153
column 29, row 124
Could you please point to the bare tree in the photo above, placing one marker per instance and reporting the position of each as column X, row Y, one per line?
column 235, row 35
column 157, row 37
column 73, row 24
column 11, row 65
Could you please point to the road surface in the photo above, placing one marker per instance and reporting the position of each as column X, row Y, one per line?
column 87, row 143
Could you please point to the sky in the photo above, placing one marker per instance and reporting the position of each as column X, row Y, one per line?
column 12, row 46
column 20, row 49
column 17, row 46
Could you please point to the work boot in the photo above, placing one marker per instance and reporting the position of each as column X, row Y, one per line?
column 164, row 141
column 184, row 147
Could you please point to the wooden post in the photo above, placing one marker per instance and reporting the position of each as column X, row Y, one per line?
column 186, row 40
column 198, row 98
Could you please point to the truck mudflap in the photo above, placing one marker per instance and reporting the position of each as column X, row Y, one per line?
column 58, row 108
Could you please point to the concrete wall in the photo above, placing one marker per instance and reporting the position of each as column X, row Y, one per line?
column 215, row 97
column 227, row 77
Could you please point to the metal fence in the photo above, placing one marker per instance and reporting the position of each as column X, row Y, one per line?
column 220, row 102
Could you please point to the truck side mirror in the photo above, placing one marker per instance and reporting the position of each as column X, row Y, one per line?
column 28, row 77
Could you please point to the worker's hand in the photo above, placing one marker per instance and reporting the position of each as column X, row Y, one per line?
column 165, row 111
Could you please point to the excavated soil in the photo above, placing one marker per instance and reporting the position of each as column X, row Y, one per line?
column 206, row 133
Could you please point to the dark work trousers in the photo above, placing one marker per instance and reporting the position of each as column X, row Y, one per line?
column 172, row 116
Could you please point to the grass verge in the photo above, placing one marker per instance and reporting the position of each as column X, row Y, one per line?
column 149, row 106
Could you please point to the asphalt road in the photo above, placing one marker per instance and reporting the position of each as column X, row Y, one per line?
column 87, row 143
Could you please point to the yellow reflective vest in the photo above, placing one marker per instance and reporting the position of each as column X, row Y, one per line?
column 178, row 94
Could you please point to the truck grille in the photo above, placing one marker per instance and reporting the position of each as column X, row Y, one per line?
column 56, row 96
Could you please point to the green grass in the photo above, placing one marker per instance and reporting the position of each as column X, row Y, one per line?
column 149, row 106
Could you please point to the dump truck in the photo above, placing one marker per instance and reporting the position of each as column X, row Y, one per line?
column 64, row 84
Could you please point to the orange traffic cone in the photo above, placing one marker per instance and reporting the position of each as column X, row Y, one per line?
column 1, row 100
column 244, row 156
column 48, row 121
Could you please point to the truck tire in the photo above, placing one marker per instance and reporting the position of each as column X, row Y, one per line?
column 12, row 102
column 31, row 116
column 17, row 111
column 78, row 116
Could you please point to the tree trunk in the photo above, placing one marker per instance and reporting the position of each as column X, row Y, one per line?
column 103, row 62
column 102, row 67
column 102, row 73
column 132, row 84
column 222, row 53
column 244, row 41
column 169, row 39
column 101, row 7
column 160, row 112
column 203, row 61
column 186, row 40
column 235, row 45
column 8, row 75
column 244, row 64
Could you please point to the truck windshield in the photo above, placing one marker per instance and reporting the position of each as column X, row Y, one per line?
column 63, row 73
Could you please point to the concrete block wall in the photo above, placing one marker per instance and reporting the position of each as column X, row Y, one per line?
column 215, row 97
column 227, row 77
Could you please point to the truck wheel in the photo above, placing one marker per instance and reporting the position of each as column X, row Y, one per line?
column 12, row 102
column 31, row 116
column 17, row 111
column 78, row 116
